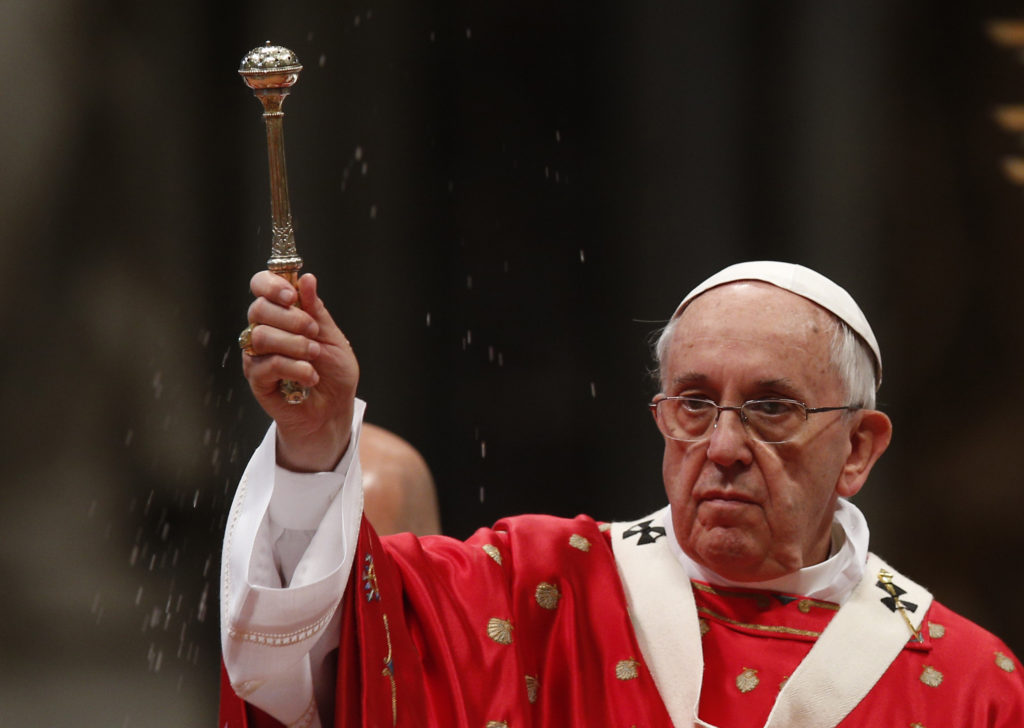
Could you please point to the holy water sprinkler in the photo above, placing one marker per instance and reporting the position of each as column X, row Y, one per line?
column 270, row 71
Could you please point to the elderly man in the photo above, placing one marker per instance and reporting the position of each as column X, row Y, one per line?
column 750, row 600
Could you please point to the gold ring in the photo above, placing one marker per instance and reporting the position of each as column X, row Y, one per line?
column 245, row 340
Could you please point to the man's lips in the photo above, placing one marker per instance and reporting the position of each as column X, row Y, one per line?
column 726, row 498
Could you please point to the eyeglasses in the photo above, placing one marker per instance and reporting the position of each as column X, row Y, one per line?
column 771, row 421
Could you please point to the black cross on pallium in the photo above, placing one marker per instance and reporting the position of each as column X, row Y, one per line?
column 893, row 601
column 647, row 532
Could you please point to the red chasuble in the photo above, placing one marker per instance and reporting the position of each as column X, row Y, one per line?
column 526, row 626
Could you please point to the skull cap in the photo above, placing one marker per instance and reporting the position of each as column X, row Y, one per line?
column 804, row 282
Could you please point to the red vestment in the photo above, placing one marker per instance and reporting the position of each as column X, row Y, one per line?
column 526, row 626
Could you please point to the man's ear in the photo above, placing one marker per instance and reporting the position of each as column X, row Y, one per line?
column 869, row 438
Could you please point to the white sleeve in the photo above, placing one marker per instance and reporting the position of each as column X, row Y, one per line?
column 288, row 550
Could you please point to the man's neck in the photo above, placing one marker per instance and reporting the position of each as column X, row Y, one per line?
column 832, row 580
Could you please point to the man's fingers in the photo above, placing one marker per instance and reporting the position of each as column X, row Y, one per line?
column 314, row 306
column 272, row 287
column 265, row 340
column 295, row 320
column 265, row 372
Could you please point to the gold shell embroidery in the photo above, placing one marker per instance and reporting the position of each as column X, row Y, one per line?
column 936, row 631
column 497, row 724
column 499, row 630
column 704, row 626
column 917, row 725
column 532, row 687
column 627, row 669
column 747, row 680
column 579, row 542
column 1004, row 662
column 804, row 605
column 931, row 677
column 547, row 595
column 492, row 551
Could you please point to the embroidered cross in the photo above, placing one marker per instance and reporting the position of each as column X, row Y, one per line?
column 647, row 532
column 893, row 601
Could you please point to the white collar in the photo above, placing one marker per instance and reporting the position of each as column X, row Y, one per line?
column 833, row 580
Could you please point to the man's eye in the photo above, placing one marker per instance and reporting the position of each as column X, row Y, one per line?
column 770, row 407
column 693, row 405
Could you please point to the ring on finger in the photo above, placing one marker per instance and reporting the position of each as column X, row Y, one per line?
column 245, row 340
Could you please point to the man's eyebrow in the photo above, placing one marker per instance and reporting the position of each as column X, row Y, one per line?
column 690, row 378
column 780, row 384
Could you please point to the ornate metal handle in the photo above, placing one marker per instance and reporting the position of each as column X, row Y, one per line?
column 270, row 71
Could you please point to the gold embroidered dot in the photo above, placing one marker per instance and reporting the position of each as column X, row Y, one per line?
column 547, row 595
column 492, row 551
column 532, row 687
column 747, row 680
column 917, row 725
column 1004, row 662
column 579, row 542
column 804, row 605
column 500, row 630
column 936, row 631
column 704, row 626
column 785, row 679
column 604, row 527
column 497, row 724
column 627, row 669
column 931, row 677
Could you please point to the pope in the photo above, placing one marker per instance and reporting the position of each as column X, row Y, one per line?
column 751, row 599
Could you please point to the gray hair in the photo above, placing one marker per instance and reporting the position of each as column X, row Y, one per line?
column 851, row 359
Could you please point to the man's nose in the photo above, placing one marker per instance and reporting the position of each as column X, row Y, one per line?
column 729, row 442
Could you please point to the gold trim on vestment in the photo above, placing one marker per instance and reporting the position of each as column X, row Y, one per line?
column 763, row 598
column 777, row 629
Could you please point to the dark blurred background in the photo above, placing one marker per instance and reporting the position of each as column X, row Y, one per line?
column 502, row 201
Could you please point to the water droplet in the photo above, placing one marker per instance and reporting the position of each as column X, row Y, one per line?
column 428, row 319
column 490, row 354
column 469, row 33
column 483, row 449
column 558, row 136
column 583, row 258
column 547, row 172
column 323, row 60
column 358, row 153
column 365, row 168
column 469, row 282
column 373, row 212
column 433, row 36
column 469, row 336
column 593, row 390
column 356, row 21
column 481, row 494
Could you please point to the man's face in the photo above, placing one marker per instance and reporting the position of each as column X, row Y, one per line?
column 747, row 510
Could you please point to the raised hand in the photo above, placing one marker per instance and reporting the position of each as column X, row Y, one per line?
column 303, row 344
